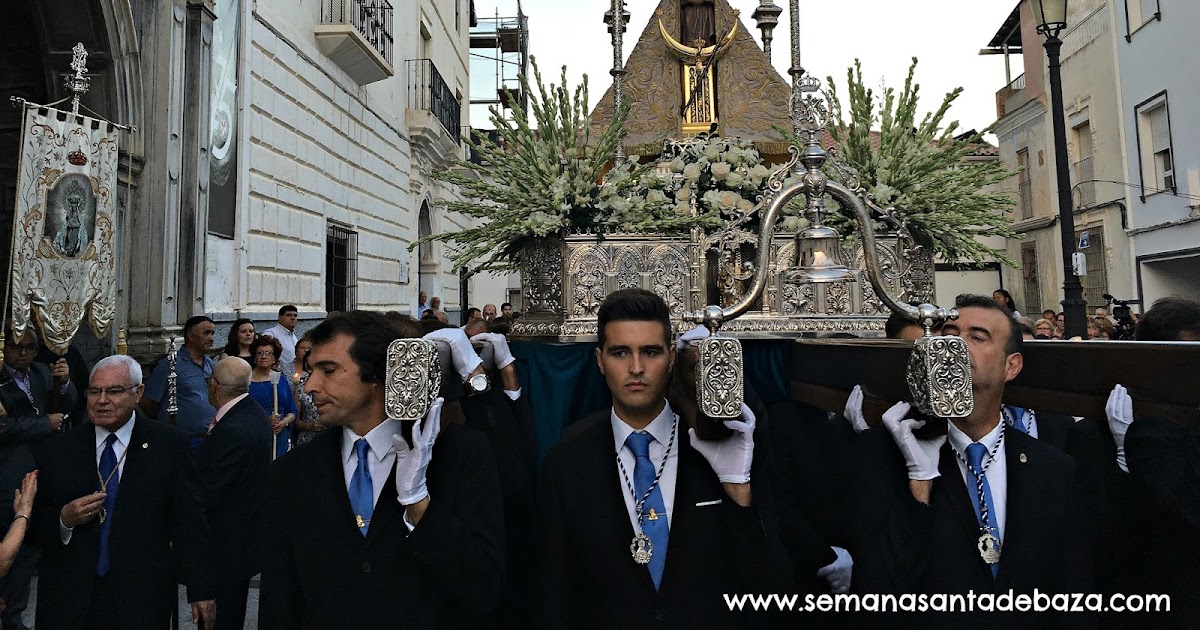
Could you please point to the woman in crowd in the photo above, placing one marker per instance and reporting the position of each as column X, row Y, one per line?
column 1060, row 326
column 241, row 335
column 308, row 424
column 273, row 391
column 1005, row 300
column 1043, row 329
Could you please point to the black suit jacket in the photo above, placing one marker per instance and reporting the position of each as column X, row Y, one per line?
column 586, row 576
column 909, row 547
column 1054, row 429
column 158, row 509
column 320, row 572
column 1164, row 472
column 233, row 465
column 35, row 412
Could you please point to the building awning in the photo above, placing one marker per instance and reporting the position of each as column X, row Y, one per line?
column 1008, row 38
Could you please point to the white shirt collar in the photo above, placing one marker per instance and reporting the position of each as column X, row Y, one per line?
column 123, row 434
column 659, row 428
column 960, row 441
column 379, row 439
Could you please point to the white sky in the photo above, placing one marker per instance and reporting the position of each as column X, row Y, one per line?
column 945, row 35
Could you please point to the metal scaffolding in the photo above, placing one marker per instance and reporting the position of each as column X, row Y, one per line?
column 500, row 46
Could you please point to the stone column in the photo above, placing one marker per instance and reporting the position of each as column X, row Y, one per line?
column 193, row 215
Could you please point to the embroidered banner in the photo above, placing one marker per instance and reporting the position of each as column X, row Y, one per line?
column 64, row 227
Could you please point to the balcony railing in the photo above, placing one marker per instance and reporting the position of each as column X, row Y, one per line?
column 1085, row 186
column 428, row 91
column 1011, row 96
column 371, row 18
column 1025, row 194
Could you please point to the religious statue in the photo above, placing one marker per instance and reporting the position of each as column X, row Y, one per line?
column 698, row 54
column 70, row 239
column 698, row 24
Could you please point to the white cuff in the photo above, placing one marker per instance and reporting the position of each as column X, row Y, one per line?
column 64, row 532
column 512, row 395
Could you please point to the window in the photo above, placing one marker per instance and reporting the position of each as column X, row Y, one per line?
column 341, row 268
column 1137, row 13
column 1154, row 146
column 1085, row 171
column 458, row 15
column 426, row 46
column 1095, row 283
column 1029, row 271
column 1025, row 184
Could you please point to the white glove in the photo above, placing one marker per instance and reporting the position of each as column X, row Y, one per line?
column 921, row 456
column 461, row 352
column 499, row 346
column 731, row 457
column 411, row 463
column 696, row 334
column 853, row 410
column 1119, row 410
column 838, row 573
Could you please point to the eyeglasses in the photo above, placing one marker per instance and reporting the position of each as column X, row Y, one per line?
column 113, row 392
column 25, row 347
column 266, row 353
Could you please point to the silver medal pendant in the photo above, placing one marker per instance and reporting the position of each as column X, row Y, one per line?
column 641, row 548
column 989, row 548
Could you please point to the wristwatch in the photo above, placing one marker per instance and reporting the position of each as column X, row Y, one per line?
column 477, row 384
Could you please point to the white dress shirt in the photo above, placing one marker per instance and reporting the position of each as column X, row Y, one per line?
column 1030, row 423
column 123, row 436
column 660, row 428
column 381, row 457
column 287, row 339
column 996, row 473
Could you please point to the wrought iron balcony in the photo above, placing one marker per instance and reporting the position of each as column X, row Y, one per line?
column 429, row 100
column 357, row 36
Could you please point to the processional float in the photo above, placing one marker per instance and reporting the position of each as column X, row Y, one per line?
column 63, row 268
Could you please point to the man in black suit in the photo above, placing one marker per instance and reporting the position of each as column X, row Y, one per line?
column 643, row 524
column 379, row 521
column 232, row 465
column 117, row 508
column 982, row 508
column 1150, row 475
column 25, row 392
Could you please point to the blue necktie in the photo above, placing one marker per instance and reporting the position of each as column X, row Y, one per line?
column 108, row 470
column 1017, row 416
column 975, row 455
column 362, row 495
column 656, row 530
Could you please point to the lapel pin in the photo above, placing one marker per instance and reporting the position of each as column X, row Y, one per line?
column 1024, row 459
column 147, row 445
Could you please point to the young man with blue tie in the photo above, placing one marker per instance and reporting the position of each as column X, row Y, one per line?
column 642, row 523
column 983, row 508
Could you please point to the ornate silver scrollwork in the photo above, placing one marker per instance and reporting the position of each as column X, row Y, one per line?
column 413, row 379
column 939, row 377
column 719, row 378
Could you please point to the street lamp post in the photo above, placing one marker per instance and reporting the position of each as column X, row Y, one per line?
column 1051, row 19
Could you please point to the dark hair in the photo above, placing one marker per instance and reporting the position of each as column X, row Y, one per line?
column 290, row 308
column 1016, row 343
column 232, row 347
column 895, row 324
column 430, row 324
column 265, row 340
column 473, row 312
column 1008, row 300
column 638, row 305
column 508, row 304
column 193, row 322
column 428, row 314
column 501, row 324
column 1169, row 319
column 372, row 333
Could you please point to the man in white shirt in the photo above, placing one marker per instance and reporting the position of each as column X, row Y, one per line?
column 643, row 524
column 983, row 508
column 419, row 535
column 285, row 331
column 112, row 564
